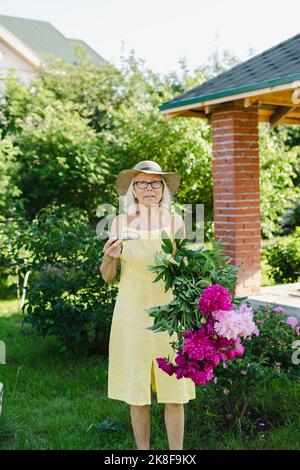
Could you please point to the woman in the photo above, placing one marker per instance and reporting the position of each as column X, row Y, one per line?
column 133, row 348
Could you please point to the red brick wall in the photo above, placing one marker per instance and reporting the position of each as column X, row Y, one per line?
column 236, row 189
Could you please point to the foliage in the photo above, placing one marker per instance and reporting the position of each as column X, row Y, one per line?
column 291, row 219
column 78, row 128
column 278, row 190
column 66, row 296
column 10, row 208
column 62, row 159
column 11, row 258
column 284, row 259
column 9, row 191
column 48, row 395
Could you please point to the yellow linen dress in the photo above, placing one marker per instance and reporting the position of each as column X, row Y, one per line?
column 133, row 349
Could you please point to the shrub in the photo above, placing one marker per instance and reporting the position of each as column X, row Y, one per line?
column 67, row 296
column 266, row 357
column 291, row 219
column 284, row 259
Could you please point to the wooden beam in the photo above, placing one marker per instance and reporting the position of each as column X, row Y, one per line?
column 295, row 98
column 279, row 113
column 249, row 102
column 196, row 114
column 186, row 113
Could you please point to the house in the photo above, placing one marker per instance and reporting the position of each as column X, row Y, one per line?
column 25, row 44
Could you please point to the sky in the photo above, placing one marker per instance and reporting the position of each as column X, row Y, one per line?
column 162, row 32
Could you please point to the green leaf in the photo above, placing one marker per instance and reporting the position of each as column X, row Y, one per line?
column 204, row 283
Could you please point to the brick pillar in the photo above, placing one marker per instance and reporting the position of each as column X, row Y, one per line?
column 236, row 189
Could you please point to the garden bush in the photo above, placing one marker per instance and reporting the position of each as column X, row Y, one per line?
column 267, row 357
column 284, row 259
column 291, row 219
column 66, row 294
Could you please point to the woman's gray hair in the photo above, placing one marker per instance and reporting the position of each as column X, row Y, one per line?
column 130, row 204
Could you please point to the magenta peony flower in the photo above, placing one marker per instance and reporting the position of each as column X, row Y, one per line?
column 215, row 297
column 164, row 364
column 224, row 343
column 186, row 368
column 199, row 345
column 237, row 350
column 209, row 326
column 180, row 359
column 203, row 377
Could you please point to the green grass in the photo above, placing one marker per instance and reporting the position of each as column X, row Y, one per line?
column 51, row 402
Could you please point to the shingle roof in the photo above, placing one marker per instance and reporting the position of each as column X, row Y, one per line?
column 277, row 65
column 43, row 38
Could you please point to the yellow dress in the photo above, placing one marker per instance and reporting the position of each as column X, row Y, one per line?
column 133, row 349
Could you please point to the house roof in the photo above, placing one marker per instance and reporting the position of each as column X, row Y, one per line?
column 275, row 66
column 94, row 57
column 45, row 39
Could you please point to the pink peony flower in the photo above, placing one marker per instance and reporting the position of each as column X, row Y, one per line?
column 164, row 364
column 292, row 321
column 278, row 309
column 215, row 297
column 235, row 323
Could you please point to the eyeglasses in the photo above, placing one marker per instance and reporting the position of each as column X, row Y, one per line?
column 144, row 184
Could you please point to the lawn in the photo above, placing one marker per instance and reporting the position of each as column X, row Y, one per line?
column 55, row 402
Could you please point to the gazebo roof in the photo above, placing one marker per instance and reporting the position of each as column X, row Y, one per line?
column 270, row 78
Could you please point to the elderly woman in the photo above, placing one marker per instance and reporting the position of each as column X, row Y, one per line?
column 133, row 348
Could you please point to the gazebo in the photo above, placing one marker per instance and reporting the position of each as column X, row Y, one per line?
column 265, row 88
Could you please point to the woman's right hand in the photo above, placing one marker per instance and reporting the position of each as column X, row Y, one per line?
column 112, row 248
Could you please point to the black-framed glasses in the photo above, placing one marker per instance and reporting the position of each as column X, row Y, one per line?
column 144, row 184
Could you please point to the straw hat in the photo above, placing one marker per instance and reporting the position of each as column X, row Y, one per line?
column 124, row 178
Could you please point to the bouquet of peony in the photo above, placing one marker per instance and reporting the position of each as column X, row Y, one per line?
column 209, row 322
column 218, row 339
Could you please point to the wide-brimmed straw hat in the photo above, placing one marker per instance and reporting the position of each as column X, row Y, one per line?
column 123, row 180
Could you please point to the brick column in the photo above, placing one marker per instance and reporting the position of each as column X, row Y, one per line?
column 236, row 189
